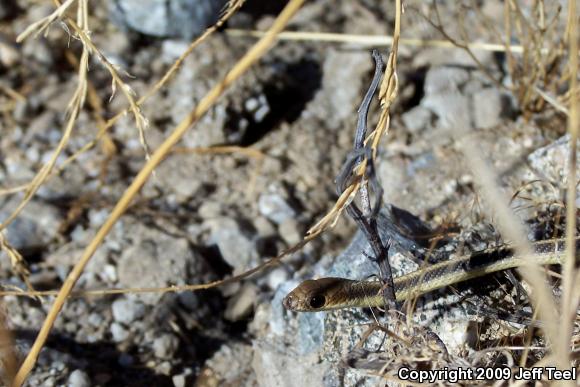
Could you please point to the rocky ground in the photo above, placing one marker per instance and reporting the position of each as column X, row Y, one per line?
column 203, row 217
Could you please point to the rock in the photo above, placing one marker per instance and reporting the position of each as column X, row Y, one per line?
column 79, row 378
column 278, row 368
column 452, row 109
column 34, row 228
column 165, row 346
column 290, row 231
column 417, row 119
column 236, row 248
column 488, row 108
column 118, row 332
column 231, row 365
column 276, row 277
column 9, row 54
column 338, row 101
column 209, row 209
column 551, row 162
column 156, row 259
column 176, row 173
column 275, row 208
column 242, row 303
column 170, row 18
column 126, row 311
column 444, row 79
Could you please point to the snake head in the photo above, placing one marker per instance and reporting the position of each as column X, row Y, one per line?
column 312, row 295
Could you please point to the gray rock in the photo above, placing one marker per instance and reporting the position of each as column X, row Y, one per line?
column 179, row 380
column 118, row 332
column 276, row 277
column 242, row 303
column 156, row 259
column 444, row 79
column 36, row 226
column 9, row 54
column 451, row 108
column 79, row 378
column 339, row 100
column 551, row 162
column 175, row 176
column 231, row 364
column 126, row 311
column 236, row 248
column 172, row 18
column 164, row 346
column 488, row 108
column 278, row 368
column 417, row 119
column 290, row 231
column 275, row 208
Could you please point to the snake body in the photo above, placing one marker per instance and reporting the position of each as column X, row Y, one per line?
column 337, row 293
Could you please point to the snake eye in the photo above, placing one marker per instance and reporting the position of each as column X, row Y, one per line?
column 317, row 301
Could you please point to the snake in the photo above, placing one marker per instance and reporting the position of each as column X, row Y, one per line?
column 330, row 293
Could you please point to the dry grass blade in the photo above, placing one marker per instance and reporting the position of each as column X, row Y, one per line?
column 8, row 361
column 19, row 265
column 168, row 289
column 43, row 24
column 237, row 70
column 569, row 305
column 371, row 40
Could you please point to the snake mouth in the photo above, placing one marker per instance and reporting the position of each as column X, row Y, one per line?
column 289, row 302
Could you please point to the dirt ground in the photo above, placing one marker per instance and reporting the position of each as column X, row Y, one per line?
column 207, row 214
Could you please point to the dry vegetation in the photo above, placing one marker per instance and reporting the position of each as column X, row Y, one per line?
column 544, row 80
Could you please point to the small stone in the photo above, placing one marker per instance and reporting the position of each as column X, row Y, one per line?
column 118, row 332
column 276, row 277
column 551, row 162
column 164, row 368
column 165, row 346
column 95, row 319
column 417, row 119
column 179, row 380
column 78, row 378
column 290, row 231
column 444, row 79
column 275, row 208
column 487, row 108
column 209, row 209
column 242, row 303
column 264, row 227
column 9, row 55
column 126, row 311
column 235, row 247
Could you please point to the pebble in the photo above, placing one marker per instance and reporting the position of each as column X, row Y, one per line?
column 165, row 346
column 9, row 55
column 487, row 108
column 118, row 332
column 444, row 79
column 126, row 311
column 551, row 162
column 235, row 247
column 242, row 303
column 417, row 119
column 276, row 277
column 290, row 231
column 79, row 378
column 275, row 208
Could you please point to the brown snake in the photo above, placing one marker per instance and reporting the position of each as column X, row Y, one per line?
column 337, row 293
